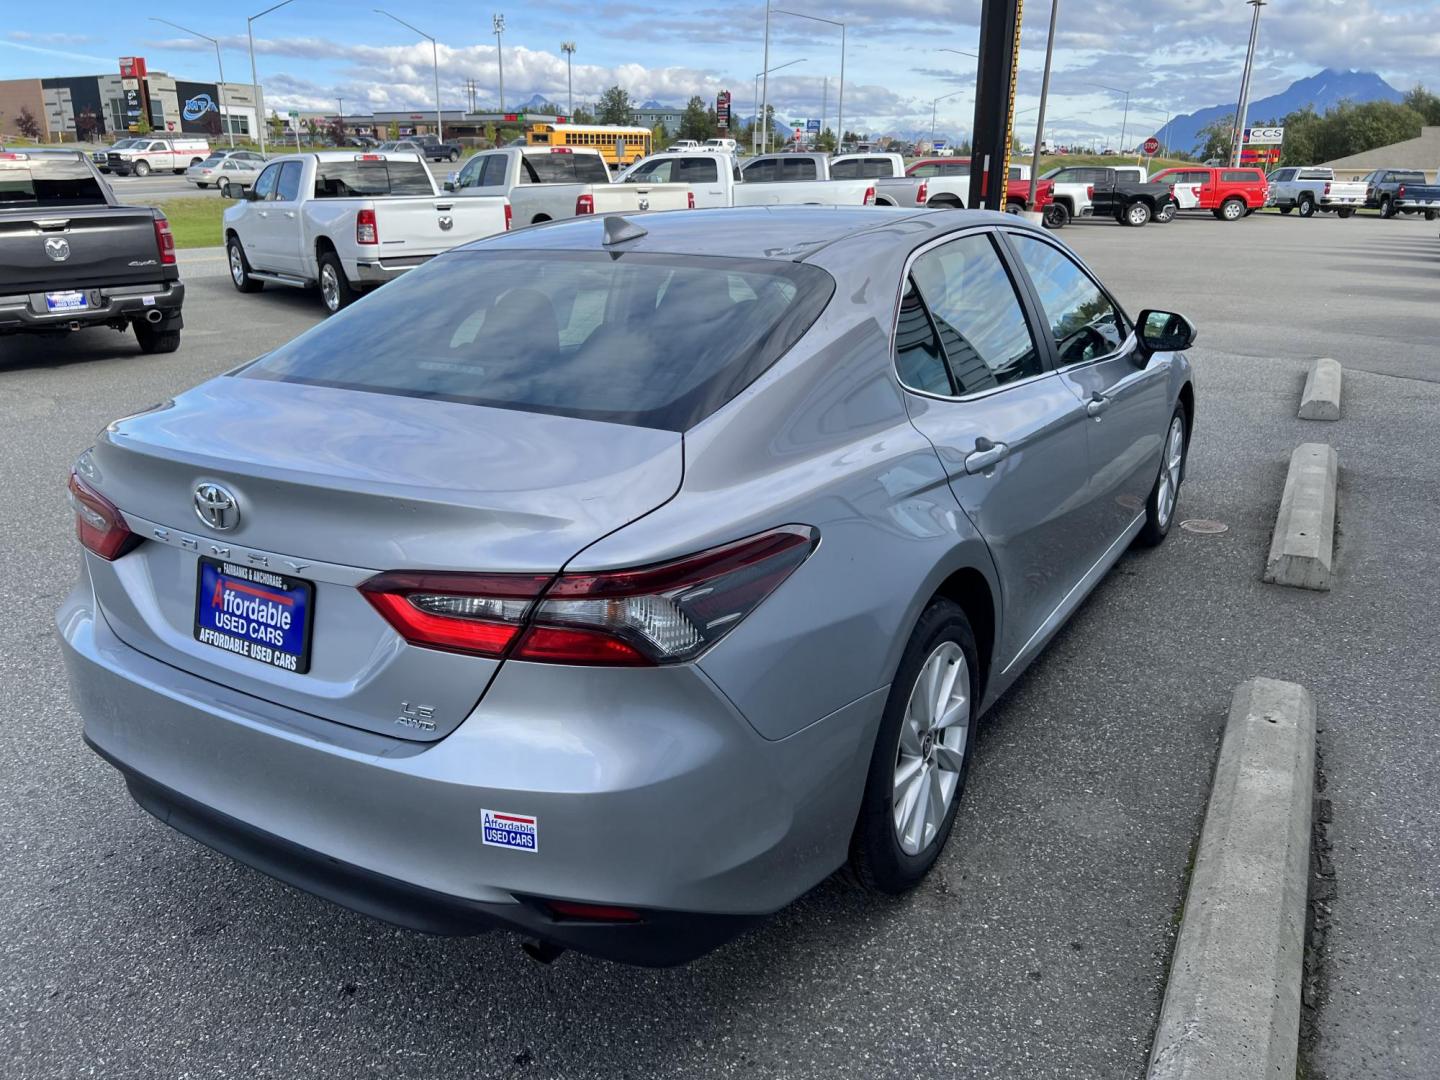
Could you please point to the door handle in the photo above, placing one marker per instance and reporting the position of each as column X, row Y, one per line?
column 985, row 456
column 290, row 213
column 1097, row 404
column 264, row 213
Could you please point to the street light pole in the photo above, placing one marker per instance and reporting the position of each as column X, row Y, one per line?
column 1044, row 95
column 254, row 78
column 435, row 56
column 498, row 23
column 933, row 104
column 568, row 48
column 219, row 63
column 777, row 67
column 833, row 22
column 765, row 77
column 1238, row 141
column 1126, row 120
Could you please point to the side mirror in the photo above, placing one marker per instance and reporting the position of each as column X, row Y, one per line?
column 449, row 184
column 1165, row 331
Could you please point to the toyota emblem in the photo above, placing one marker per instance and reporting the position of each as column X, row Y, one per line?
column 216, row 507
column 58, row 248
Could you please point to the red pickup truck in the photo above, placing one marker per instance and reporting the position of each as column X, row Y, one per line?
column 949, row 178
column 1229, row 194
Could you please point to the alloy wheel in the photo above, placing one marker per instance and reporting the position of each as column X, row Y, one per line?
column 237, row 265
column 1233, row 211
column 932, row 748
column 1170, row 471
column 329, row 288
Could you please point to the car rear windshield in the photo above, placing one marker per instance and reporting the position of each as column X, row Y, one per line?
column 649, row 340
column 564, row 168
column 346, row 179
column 32, row 180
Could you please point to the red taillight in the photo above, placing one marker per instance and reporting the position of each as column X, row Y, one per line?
column 509, row 216
column 561, row 150
column 922, row 193
column 568, row 909
column 690, row 200
column 584, row 204
column 1090, row 192
column 869, row 199
column 1327, row 189
column 366, row 230
column 369, row 157
column 165, row 242
column 98, row 523
column 1400, row 192
column 661, row 614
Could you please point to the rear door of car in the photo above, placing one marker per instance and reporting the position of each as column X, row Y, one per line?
column 1093, row 347
column 1008, row 431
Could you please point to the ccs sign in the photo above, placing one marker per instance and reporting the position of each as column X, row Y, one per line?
column 1264, row 136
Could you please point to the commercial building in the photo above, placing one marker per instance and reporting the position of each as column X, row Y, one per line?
column 1422, row 153
column 98, row 107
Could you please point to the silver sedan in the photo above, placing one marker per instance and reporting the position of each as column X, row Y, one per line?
column 229, row 170
column 664, row 571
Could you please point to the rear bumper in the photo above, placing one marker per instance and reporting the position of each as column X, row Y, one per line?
column 379, row 271
column 27, row 312
column 666, row 801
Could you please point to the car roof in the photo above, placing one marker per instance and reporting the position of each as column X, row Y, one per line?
column 791, row 233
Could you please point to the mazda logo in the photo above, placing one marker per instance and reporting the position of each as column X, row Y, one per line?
column 216, row 507
column 58, row 248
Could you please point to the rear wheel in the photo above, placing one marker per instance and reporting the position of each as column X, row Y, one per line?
column 1285, row 209
column 1429, row 215
column 335, row 288
column 1387, row 208
column 1056, row 216
column 1160, row 507
column 1232, row 209
column 1014, row 208
column 154, row 339
column 1307, row 207
column 240, row 267
column 454, row 155
column 1344, row 212
column 201, row 185
column 1136, row 215
column 922, row 754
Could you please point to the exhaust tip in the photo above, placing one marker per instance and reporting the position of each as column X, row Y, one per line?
column 154, row 315
column 542, row 952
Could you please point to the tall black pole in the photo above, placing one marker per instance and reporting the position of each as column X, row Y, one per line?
column 994, row 102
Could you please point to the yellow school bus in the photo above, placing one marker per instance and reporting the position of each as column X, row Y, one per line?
column 619, row 145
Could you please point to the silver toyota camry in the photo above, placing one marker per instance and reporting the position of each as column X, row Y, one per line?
column 665, row 569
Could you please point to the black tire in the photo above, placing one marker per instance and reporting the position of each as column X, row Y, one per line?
column 1387, row 208
column 1231, row 209
column 1284, row 209
column 154, row 339
column 1014, row 208
column 1429, row 215
column 1055, row 216
column 240, row 267
column 336, row 292
column 1167, row 214
column 201, row 186
column 142, row 168
column 1307, row 207
column 1344, row 212
column 454, row 155
column 1136, row 215
column 877, row 861
column 1157, row 524
column 226, row 190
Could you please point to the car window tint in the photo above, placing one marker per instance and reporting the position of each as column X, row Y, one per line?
column 493, row 174
column 697, row 170
column 345, row 179
column 590, row 169
column 288, row 187
column 269, row 178
column 845, row 170
column 44, row 180
column 1238, row 176
column 650, row 340
column 982, row 327
column 925, row 170
column 1083, row 321
column 652, row 172
column 918, row 359
column 762, row 170
column 800, row 168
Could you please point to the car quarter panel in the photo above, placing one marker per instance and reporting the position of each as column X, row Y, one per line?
column 822, row 439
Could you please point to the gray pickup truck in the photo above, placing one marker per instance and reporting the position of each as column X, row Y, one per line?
column 71, row 257
column 1401, row 191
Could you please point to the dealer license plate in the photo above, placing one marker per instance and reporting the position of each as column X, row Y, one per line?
column 254, row 613
column 66, row 301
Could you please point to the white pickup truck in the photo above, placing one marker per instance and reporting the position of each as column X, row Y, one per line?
column 1313, row 190
column 347, row 222
column 716, row 180
column 159, row 153
column 548, row 183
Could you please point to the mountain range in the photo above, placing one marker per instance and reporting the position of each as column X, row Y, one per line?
column 1323, row 90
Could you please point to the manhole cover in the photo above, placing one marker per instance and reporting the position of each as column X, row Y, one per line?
column 1204, row 526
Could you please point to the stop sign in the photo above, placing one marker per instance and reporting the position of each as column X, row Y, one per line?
column 1152, row 146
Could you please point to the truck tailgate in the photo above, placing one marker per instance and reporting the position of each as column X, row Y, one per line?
column 428, row 226
column 628, row 198
column 77, row 247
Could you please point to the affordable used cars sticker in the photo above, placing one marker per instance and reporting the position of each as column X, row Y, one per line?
column 518, row 832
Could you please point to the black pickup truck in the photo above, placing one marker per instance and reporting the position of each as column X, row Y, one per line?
column 427, row 146
column 71, row 257
column 1085, row 190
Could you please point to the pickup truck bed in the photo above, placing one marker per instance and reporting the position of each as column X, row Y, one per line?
column 71, row 257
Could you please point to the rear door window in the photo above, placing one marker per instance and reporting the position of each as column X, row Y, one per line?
column 697, row 170
column 645, row 339
column 977, row 316
column 799, row 168
column 762, row 170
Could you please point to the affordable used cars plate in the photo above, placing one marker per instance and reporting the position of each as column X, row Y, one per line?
column 66, row 301
column 255, row 613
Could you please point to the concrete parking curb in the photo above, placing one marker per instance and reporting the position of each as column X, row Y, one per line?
column 1303, row 545
column 1232, row 1004
column 1321, row 397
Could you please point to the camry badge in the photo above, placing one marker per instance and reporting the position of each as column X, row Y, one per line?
column 58, row 248
column 216, row 507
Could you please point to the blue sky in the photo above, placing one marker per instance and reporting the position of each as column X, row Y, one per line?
column 1175, row 55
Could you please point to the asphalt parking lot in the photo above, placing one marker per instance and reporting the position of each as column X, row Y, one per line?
column 1038, row 949
column 156, row 187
